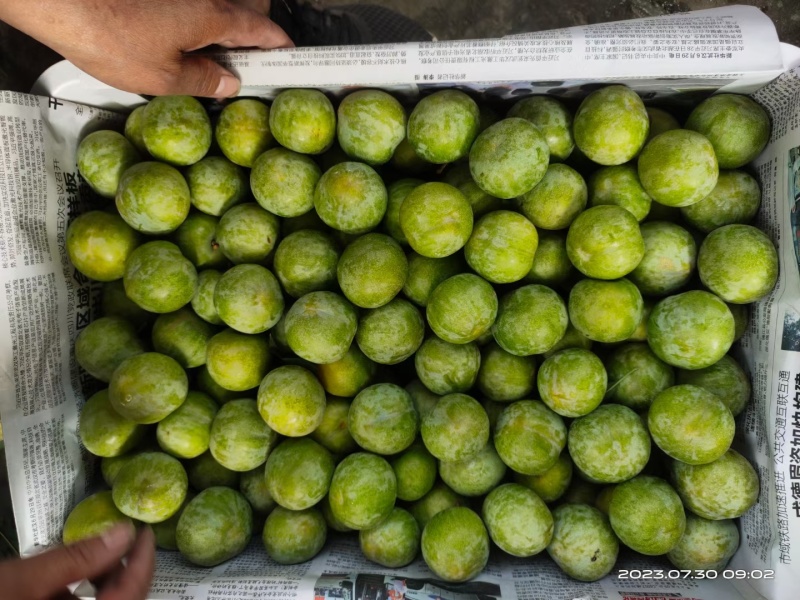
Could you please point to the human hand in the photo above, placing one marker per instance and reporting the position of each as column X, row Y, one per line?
column 141, row 46
column 46, row 576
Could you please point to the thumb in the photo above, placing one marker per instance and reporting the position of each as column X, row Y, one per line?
column 201, row 76
column 49, row 573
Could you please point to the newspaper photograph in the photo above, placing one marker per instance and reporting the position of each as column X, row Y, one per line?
column 45, row 302
column 354, row 586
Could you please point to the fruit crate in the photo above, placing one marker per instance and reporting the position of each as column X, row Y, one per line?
column 49, row 470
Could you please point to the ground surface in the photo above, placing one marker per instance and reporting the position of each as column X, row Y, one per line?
column 460, row 19
column 21, row 61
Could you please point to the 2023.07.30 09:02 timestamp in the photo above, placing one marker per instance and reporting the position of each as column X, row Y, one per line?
column 695, row 574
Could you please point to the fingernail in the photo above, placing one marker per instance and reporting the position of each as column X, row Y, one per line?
column 119, row 537
column 228, row 87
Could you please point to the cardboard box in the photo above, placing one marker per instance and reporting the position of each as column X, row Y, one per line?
column 671, row 61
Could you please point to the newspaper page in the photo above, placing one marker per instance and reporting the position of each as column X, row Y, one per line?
column 45, row 303
column 771, row 432
column 341, row 572
column 685, row 51
column 659, row 56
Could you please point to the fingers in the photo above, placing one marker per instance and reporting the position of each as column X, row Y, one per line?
column 196, row 75
column 263, row 33
column 234, row 27
column 49, row 573
column 133, row 582
column 170, row 67
column 239, row 27
column 100, row 582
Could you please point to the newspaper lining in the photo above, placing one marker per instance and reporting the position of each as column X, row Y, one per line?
column 45, row 302
column 713, row 44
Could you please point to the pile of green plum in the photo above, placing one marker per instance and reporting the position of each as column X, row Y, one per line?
column 440, row 331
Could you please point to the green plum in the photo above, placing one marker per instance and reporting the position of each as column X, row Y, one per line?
column 104, row 344
column 184, row 336
column 247, row 233
column 176, row 129
column 240, row 439
column 737, row 127
column 151, row 487
column 305, row 262
column 214, row 527
column 103, row 156
column 186, row 432
column 611, row 125
column 509, row 158
column 678, row 168
column 557, row 199
column 283, row 182
column 237, row 361
column 553, row 119
column 436, row 219
column 382, row 419
column 442, row 126
column 291, row 401
column 303, row 120
column 103, row 431
column 294, row 536
column 351, row 197
column 320, row 327
column 298, row 473
column 248, row 298
column 502, row 246
column 147, row 387
column 242, row 131
column 216, row 184
column 158, row 278
column 370, row 125
column 530, row 320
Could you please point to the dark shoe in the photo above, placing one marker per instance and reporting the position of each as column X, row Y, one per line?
column 351, row 24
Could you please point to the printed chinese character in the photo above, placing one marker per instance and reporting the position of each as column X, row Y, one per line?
column 84, row 296
column 81, row 319
column 71, row 183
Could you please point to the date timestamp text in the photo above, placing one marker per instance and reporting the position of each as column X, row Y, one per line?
column 695, row 574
